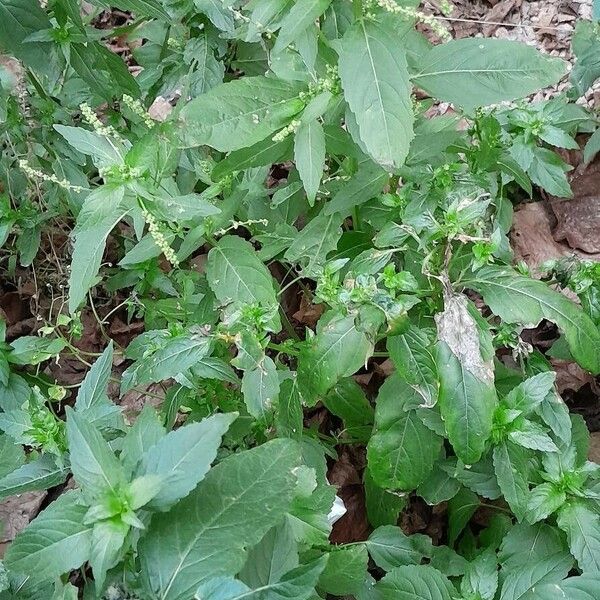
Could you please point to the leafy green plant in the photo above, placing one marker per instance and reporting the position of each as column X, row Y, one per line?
column 297, row 157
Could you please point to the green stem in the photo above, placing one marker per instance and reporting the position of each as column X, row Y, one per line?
column 357, row 5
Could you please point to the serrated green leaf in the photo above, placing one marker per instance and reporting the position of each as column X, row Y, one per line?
column 54, row 543
column 512, row 471
column 584, row 587
column 175, row 356
column 345, row 571
column 519, row 299
column 415, row 582
column 548, row 171
column 183, row 457
column 94, row 465
column 338, row 350
column 389, row 547
column 581, row 525
column 523, row 580
column 236, row 274
column 92, row 391
column 383, row 506
column 271, row 558
column 299, row 17
column 466, row 404
column 374, row 74
column 315, row 242
column 202, row 536
column 143, row 435
column 543, row 500
column 439, row 486
column 475, row 72
column 260, row 387
column 402, row 450
column 412, row 356
column 39, row 474
column 239, row 113
column 299, row 583
column 366, row 183
column 481, row 578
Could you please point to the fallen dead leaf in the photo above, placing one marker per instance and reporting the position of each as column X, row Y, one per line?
column 15, row 514
column 594, row 453
column 570, row 376
column 578, row 222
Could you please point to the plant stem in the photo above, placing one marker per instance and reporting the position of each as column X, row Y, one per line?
column 358, row 8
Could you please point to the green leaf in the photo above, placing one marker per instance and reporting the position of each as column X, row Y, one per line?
column 519, row 299
column 466, row 403
column 176, row 355
column 218, row 12
column 143, row 435
column 584, row 587
column 108, row 537
column 412, row 356
column 101, row 212
column 439, row 486
column 389, row 547
column 18, row 20
column 236, row 275
column 365, row 184
column 481, row 578
column 315, row 242
column 239, row 113
column 531, row 393
column 345, row 571
column 592, row 147
column 299, row 584
column 474, row 72
column 528, row 544
column 460, row 510
column 583, row 532
column 265, row 152
column 415, row 582
column 533, row 436
column 54, row 543
column 383, row 507
column 183, row 457
column 92, row 391
column 260, row 387
column 544, row 499
column 104, row 151
column 347, row 401
column 548, row 170
column 309, row 155
column 148, row 8
column 12, row 457
column 338, row 350
column 524, row 579
column 402, row 450
column 94, row 465
column 202, row 536
column 39, row 474
column 372, row 67
column 512, row 471
column 271, row 558
column 297, row 19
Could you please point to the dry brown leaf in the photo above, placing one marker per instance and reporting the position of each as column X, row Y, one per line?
column 578, row 222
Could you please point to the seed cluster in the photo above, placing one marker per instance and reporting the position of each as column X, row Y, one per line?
column 159, row 238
